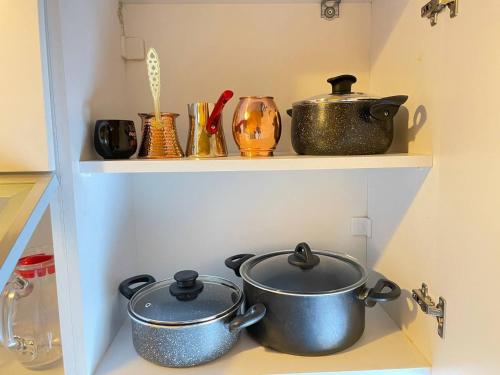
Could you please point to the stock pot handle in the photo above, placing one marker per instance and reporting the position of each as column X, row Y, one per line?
column 253, row 315
column 376, row 294
column 387, row 108
column 125, row 286
column 236, row 261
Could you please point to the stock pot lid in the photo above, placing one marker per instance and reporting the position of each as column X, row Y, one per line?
column 185, row 299
column 341, row 92
column 303, row 271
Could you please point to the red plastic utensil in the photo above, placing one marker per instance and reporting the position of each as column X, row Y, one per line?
column 213, row 120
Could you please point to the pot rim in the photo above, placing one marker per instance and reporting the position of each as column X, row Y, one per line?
column 256, row 97
column 245, row 267
column 173, row 324
column 325, row 102
column 148, row 115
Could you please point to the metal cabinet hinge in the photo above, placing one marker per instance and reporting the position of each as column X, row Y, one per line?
column 434, row 7
column 428, row 306
column 330, row 9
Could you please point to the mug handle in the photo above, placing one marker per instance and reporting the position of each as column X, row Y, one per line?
column 102, row 132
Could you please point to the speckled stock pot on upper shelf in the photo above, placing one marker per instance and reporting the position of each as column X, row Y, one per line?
column 344, row 122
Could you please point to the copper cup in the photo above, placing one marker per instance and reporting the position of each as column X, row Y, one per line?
column 159, row 142
column 256, row 126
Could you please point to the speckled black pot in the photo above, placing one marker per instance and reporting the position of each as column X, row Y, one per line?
column 213, row 317
column 344, row 123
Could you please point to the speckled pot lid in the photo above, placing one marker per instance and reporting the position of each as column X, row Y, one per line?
column 341, row 92
column 185, row 299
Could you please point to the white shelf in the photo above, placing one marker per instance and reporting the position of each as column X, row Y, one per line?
column 239, row 164
column 9, row 366
column 383, row 349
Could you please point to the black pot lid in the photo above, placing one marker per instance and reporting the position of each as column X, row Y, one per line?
column 185, row 299
column 341, row 92
column 302, row 271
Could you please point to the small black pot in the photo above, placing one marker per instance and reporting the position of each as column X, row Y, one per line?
column 315, row 301
column 187, row 320
column 343, row 122
column 115, row 139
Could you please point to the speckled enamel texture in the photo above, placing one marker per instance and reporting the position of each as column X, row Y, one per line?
column 184, row 346
column 344, row 128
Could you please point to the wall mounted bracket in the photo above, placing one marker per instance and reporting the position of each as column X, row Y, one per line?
column 330, row 9
column 428, row 306
column 434, row 7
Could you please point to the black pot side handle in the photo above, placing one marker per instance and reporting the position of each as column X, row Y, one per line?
column 386, row 108
column 290, row 112
column 236, row 261
column 125, row 286
column 397, row 99
column 253, row 315
column 376, row 294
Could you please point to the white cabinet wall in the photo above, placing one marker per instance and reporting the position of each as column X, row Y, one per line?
column 26, row 120
column 428, row 225
column 445, row 232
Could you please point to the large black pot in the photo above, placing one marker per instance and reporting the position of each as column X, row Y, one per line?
column 315, row 302
column 343, row 122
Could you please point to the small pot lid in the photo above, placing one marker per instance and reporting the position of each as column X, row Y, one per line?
column 341, row 92
column 302, row 271
column 185, row 299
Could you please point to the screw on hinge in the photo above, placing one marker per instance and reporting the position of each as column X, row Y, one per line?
column 428, row 306
column 330, row 9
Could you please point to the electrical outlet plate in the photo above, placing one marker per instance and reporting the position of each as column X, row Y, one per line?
column 361, row 226
column 133, row 48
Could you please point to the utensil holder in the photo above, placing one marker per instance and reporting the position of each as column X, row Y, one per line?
column 159, row 142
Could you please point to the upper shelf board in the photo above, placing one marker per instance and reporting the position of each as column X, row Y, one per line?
column 239, row 164
column 383, row 349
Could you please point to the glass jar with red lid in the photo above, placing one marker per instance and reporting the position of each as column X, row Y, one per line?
column 30, row 320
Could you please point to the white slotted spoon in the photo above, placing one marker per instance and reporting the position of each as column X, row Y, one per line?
column 153, row 62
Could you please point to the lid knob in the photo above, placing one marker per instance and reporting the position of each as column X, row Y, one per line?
column 342, row 85
column 303, row 257
column 186, row 287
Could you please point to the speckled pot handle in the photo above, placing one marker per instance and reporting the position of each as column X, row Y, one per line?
column 125, row 286
column 253, row 315
column 386, row 108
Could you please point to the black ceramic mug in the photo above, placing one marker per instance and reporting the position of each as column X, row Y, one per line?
column 115, row 139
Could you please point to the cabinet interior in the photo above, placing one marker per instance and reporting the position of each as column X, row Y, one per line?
column 158, row 224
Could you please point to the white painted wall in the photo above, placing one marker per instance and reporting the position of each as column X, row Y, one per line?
column 196, row 221
column 442, row 229
column 25, row 122
column 285, row 51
